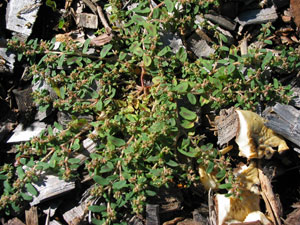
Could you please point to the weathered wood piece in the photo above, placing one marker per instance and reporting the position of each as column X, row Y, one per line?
column 24, row 99
column 50, row 186
column 31, row 216
column 257, row 16
column 74, row 215
column 227, row 125
column 89, row 147
column 152, row 214
column 199, row 20
column 199, row 46
column 91, row 5
column 87, row 20
column 54, row 222
column 170, row 39
column 296, row 97
column 7, row 60
column 14, row 221
column 135, row 220
column 294, row 217
column 22, row 133
column 285, row 121
column 273, row 204
column 21, row 15
column 295, row 10
column 198, row 218
column 223, row 22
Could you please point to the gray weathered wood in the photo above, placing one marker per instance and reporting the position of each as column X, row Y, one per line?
column 22, row 133
column 87, row 20
column 227, row 125
column 199, row 20
column 50, row 186
column 152, row 214
column 199, row 46
column 198, row 218
column 89, row 147
column 74, row 214
column 285, row 121
column 170, row 39
column 257, row 16
column 223, row 22
column 7, row 60
column 21, row 15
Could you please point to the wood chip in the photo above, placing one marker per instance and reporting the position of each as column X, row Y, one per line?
column 87, row 20
column 173, row 221
column 223, row 22
column 14, row 221
column 21, row 15
column 199, row 46
column 295, row 10
column 294, row 217
column 285, row 120
column 50, row 186
column 32, row 216
column 7, row 61
column 258, row 16
column 152, row 214
column 101, row 40
column 227, row 125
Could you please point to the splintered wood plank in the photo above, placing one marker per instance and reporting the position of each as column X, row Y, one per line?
column 152, row 214
column 285, row 120
column 295, row 10
column 50, row 186
column 273, row 204
column 257, row 16
column 21, row 15
column 227, row 125
column 32, row 216
column 87, row 20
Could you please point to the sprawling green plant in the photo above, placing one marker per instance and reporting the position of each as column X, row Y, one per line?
column 145, row 103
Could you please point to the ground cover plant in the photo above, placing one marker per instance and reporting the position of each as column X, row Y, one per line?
column 145, row 106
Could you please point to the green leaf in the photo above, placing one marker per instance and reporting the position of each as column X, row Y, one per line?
column 73, row 160
column 138, row 19
column 150, row 193
column 100, row 180
column 182, row 87
column 116, row 141
column 105, row 50
column 76, row 145
column 31, row 189
column 86, row 45
column 268, row 42
column 26, row 197
column 61, row 23
column 188, row 154
column 275, row 83
column 210, row 167
column 99, row 105
column 150, row 28
column 172, row 163
column 61, row 60
column 138, row 51
column 147, row 60
column 187, row 124
column 107, row 167
column 58, row 126
column 119, row 184
column 187, row 114
column 181, row 54
column 223, row 38
column 62, row 92
column 225, row 186
column 97, row 208
column 170, row 5
column 20, row 172
column 266, row 59
column 221, row 174
column 164, row 51
column 7, row 187
column 192, row 99
column 122, row 55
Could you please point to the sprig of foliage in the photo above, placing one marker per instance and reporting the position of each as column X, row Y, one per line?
column 146, row 104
